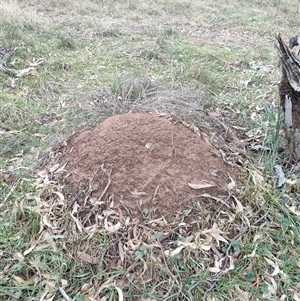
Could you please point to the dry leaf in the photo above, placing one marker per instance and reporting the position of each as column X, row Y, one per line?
column 258, row 147
column 172, row 253
column 293, row 209
column 76, row 207
column 231, row 185
column 216, row 268
column 281, row 177
column 29, row 250
column 85, row 287
column 133, row 246
column 88, row 258
column 78, row 224
column 253, row 253
column 27, row 71
column 105, row 284
column 243, row 296
column 113, row 228
column 148, row 145
column 48, row 299
column 53, row 168
column 181, row 245
column 47, row 223
column 296, row 296
column 21, row 280
column 120, row 293
column 289, row 185
column 62, row 198
column 50, row 284
column 201, row 185
column 121, row 252
column 272, row 288
column 135, row 192
column 257, row 178
column 215, row 233
column 274, row 265
column 239, row 207
column 20, row 256
column 206, row 247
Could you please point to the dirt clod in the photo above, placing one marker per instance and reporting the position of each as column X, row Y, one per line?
column 148, row 161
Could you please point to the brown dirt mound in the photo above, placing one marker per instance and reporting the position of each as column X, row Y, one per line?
column 143, row 161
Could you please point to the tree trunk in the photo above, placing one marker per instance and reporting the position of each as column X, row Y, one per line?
column 289, row 92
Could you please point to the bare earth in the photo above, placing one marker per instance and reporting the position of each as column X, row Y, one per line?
column 151, row 160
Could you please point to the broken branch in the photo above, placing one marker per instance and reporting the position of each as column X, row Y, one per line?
column 18, row 73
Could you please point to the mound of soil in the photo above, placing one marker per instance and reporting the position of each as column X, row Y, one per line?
column 144, row 162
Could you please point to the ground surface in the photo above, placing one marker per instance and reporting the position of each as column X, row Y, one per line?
column 206, row 67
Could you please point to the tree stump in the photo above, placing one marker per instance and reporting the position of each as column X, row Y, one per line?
column 289, row 92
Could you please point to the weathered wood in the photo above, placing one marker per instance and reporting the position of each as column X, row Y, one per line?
column 18, row 73
column 289, row 92
column 296, row 145
column 289, row 130
column 6, row 56
column 290, row 62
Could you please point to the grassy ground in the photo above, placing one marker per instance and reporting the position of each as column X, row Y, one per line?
column 96, row 58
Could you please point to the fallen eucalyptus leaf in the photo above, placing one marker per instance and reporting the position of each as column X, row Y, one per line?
column 231, row 184
column 281, row 177
column 120, row 293
column 257, row 147
column 148, row 145
column 135, row 192
column 201, row 185
column 215, row 233
column 113, row 228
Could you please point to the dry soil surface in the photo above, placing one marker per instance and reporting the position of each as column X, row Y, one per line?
column 145, row 162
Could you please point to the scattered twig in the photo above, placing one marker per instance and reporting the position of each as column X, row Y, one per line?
column 107, row 185
column 64, row 294
column 3, row 66
column 210, row 283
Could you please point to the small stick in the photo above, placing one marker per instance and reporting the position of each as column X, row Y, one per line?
column 64, row 294
column 107, row 185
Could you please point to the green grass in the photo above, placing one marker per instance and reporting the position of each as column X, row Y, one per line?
column 221, row 51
